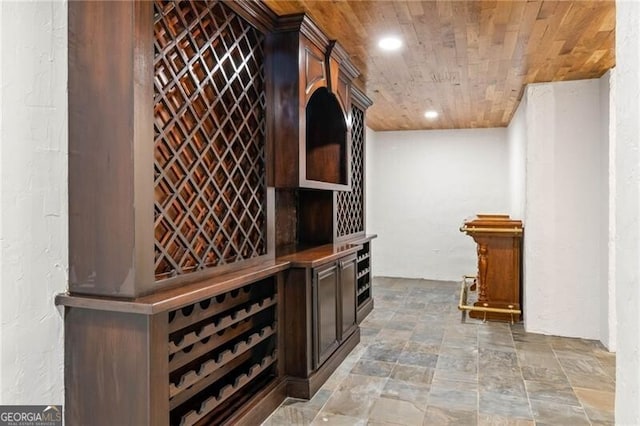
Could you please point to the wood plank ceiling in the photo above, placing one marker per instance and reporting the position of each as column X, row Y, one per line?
column 468, row 60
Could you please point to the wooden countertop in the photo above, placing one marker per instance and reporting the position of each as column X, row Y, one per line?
column 176, row 297
column 172, row 298
column 311, row 257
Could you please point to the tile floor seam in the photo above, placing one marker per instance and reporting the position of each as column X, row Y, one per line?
column 571, row 384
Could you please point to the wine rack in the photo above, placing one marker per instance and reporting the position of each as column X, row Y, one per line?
column 210, row 187
column 174, row 225
column 350, row 204
column 364, row 297
column 220, row 351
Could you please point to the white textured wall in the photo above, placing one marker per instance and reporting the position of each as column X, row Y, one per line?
column 627, row 211
column 33, row 199
column 424, row 184
column 564, row 199
column 607, row 219
column 370, row 137
column 517, row 140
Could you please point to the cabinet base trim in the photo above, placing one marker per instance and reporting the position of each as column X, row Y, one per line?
column 364, row 310
column 306, row 388
column 261, row 405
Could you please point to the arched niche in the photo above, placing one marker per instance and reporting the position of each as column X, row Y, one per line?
column 327, row 136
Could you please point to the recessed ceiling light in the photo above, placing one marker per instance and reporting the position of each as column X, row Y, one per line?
column 390, row 43
column 431, row 114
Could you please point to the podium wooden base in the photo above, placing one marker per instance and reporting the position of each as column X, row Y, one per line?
column 498, row 284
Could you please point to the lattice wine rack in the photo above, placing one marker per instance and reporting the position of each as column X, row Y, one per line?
column 221, row 351
column 351, row 203
column 210, row 190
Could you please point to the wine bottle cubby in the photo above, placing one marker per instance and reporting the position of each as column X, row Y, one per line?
column 350, row 204
column 219, row 346
column 210, row 187
column 364, row 296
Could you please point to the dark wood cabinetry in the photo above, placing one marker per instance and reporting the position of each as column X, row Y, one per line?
column 348, row 294
column 364, row 294
column 312, row 105
column 216, row 184
column 211, row 352
column 326, row 294
column 334, row 304
column 322, row 327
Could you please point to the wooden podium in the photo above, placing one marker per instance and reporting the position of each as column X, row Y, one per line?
column 498, row 282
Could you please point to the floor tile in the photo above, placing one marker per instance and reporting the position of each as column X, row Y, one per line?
column 355, row 396
column 414, row 393
column 598, row 405
column 370, row 367
column 331, row 419
column 447, row 397
column 384, row 351
column 504, row 405
column 436, row 416
column 558, row 414
column 395, row 411
column 417, row 354
column 412, row 374
column 496, row 420
column 557, row 392
column 291, row 415
column 417, row 363
column 504, row 385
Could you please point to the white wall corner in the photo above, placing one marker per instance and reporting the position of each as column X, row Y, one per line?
column 608, row 304
column 565, row 200
column 1, row 206
column 627, row 212
column 370, row 139
column 33, row 200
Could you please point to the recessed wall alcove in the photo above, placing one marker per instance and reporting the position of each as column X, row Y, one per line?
column 326, row 139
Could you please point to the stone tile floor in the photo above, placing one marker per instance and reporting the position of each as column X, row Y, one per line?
column 418, row 364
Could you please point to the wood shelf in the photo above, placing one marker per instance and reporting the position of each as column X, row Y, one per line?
column 213, row 328
column 183, row 318
column 209, row 404
column 363, row 289
column 208, row 345
column 188, row 379
column 363, row 273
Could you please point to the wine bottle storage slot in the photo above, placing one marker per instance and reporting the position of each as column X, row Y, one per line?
column 217, row 346
column 210, row 399
column 363, row 276
column 362, row 273
column 207, row 368
column 218, row 325
column 363, row 289
column 191, row 314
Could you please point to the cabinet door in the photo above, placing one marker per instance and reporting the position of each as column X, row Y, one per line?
column 325, row 282
column 348, row 294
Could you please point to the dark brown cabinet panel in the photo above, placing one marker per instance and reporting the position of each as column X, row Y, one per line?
column 325, row 283
column 348, row 294
column 321, row 318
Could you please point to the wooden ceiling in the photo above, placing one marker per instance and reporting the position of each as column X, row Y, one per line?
column 468, row 60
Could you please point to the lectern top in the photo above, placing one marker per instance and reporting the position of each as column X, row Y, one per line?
column 493, row 221
column 494, row 224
